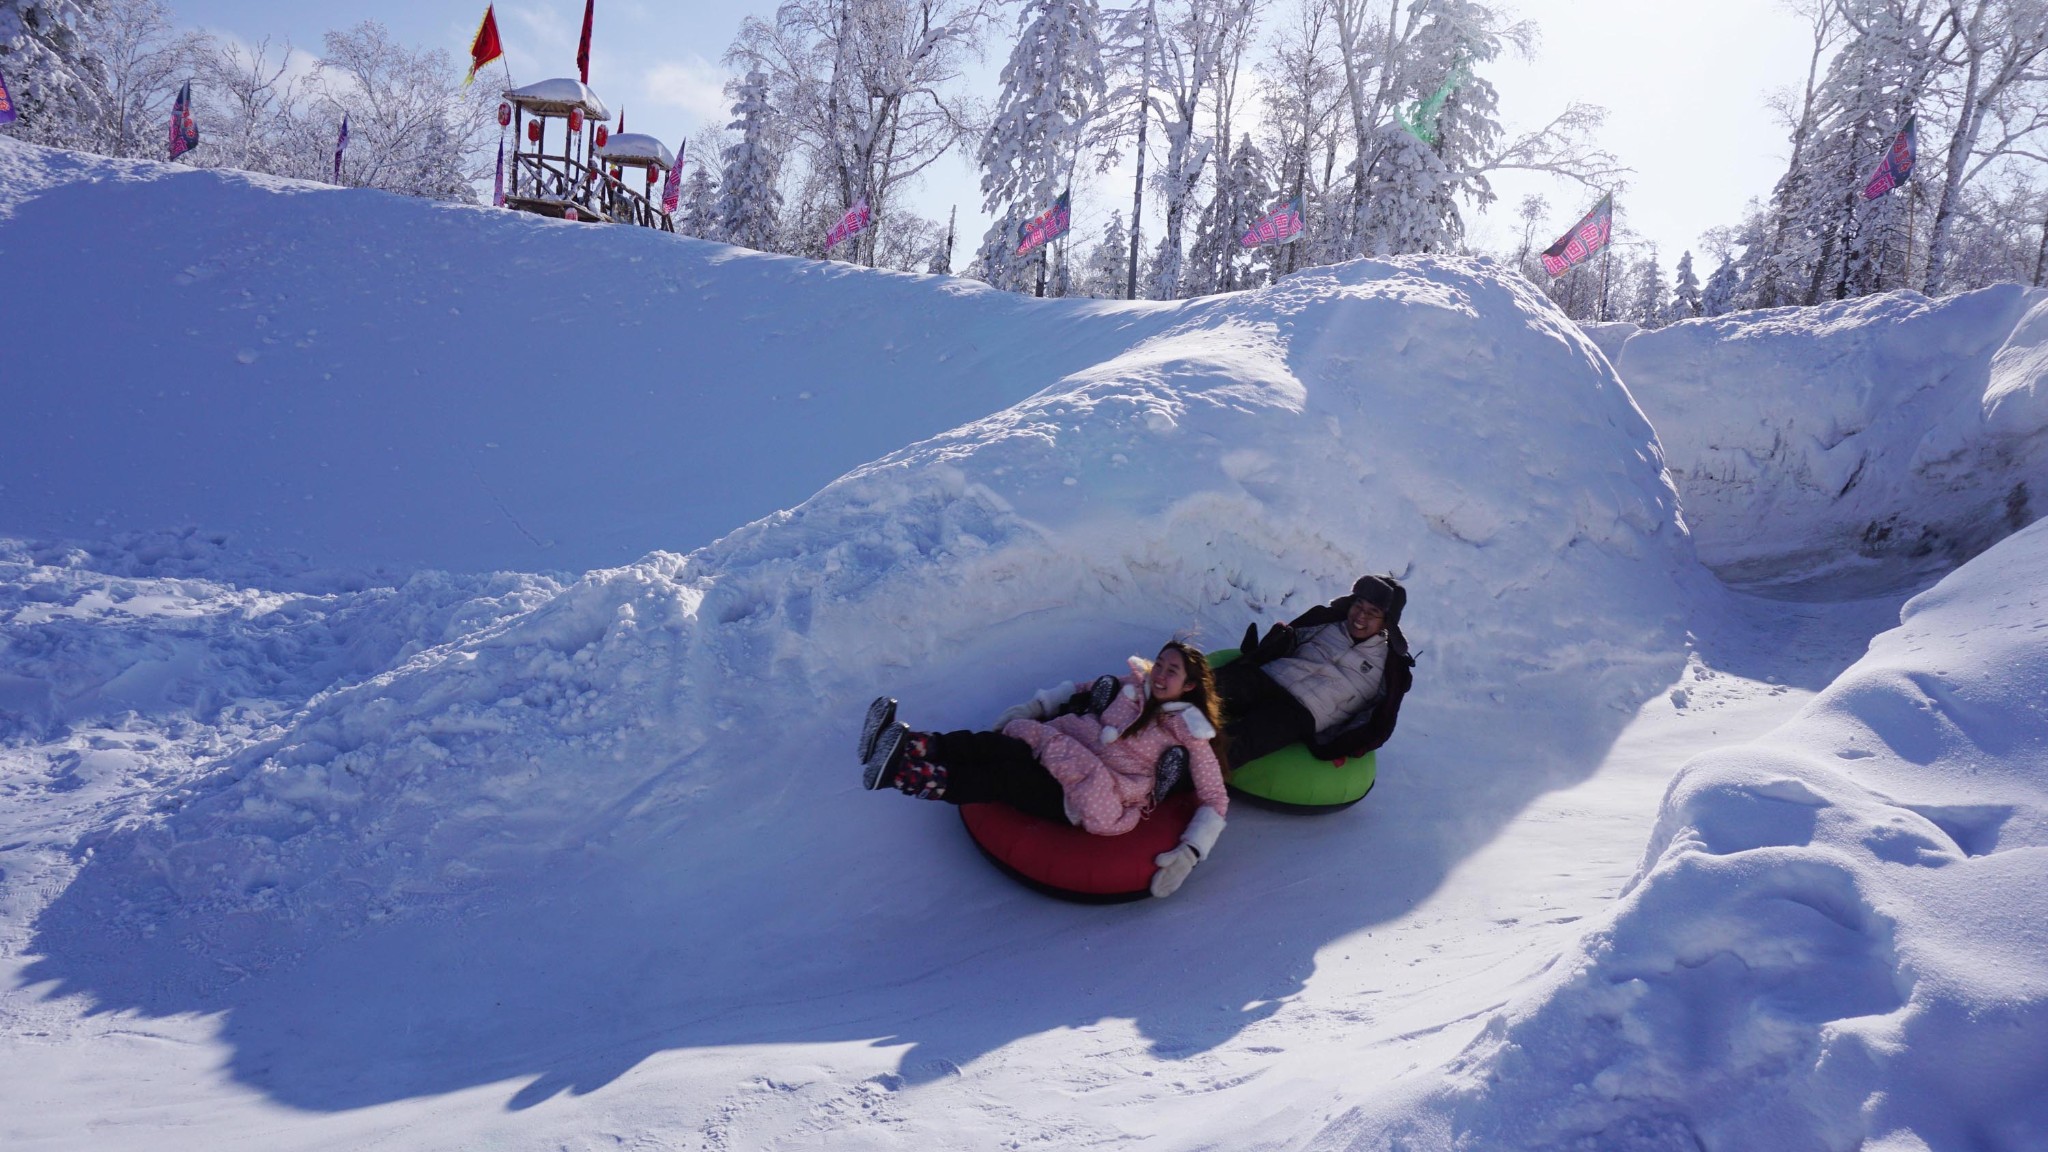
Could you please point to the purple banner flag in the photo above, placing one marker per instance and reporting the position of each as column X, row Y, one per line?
column 498, row 181
column 341, row 146
column 7, row 111
column 1897, row 165
column 184, row 132
column 1588, row 236
column 672, row 187
column 1047, row 226
column 856, row 218
column 1283, row 225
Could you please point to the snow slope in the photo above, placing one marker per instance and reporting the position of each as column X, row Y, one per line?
column 1853, row 439
column 305, row 858
column 369, row 382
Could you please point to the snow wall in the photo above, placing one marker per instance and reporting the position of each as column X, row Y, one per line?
column 1838, row 937
column 668, row 739
column 1883, row 439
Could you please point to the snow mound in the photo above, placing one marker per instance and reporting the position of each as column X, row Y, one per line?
column 349, row 379
column 1839, row 935
column 1434, row 418
column 1881, row 438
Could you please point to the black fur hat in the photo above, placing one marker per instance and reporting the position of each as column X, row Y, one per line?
column 1384, row 593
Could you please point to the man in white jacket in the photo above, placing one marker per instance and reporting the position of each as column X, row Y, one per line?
column 1312, row 676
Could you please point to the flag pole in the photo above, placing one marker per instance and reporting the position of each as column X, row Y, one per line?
column 1606, row 261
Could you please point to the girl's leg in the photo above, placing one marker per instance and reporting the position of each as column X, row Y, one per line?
column 991, row 768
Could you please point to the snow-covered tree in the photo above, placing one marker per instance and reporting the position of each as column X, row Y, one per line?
column 1243, row 193
column 750, row 196
column 1052, row 88
column 1719, row 296
column 141, row 57
column 1685, row 291
column 51, row 71
column 697, row 213
column 413, row 127
column 255, row 109
column 870, row 90
column 1103, row 269
column 1647, row 304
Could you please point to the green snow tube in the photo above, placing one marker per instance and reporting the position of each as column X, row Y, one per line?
column 1293, row 780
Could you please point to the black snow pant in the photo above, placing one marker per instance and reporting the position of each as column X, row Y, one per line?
column 991, row 768
column 1259, row 716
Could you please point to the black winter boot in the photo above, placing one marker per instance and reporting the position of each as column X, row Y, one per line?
column 880, row 768
column 1173, row 764
column 881, row 714
column 1103, row 693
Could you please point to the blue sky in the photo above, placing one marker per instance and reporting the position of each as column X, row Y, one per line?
column 1685, row 85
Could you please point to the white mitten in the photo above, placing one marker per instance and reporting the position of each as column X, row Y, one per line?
column 1042, row 704
column 1195, row 845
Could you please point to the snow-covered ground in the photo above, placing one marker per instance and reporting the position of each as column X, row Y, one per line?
column 430, row 641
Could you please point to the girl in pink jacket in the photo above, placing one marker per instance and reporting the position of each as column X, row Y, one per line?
column 1101, row 772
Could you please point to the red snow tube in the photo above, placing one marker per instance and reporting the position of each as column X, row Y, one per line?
column 1061, row 860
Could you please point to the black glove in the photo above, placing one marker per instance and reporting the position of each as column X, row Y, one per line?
column 1280, row 641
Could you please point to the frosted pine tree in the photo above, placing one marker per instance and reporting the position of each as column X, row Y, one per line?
column 1102, row 271
column 1647, row 306
column 1685, row 291
column 750, row 199
column 1718, row 298
column 699, row 213
column 1244, row 192
column 1411, row 181
column 1052, row 89
column 50, row 69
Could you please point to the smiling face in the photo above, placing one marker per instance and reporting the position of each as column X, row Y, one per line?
column 1364, row 620
column 1169, row 675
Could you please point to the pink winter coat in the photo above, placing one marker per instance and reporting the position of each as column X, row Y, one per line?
column 1107, row 773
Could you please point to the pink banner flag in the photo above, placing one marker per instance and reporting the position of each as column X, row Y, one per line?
column 1283, row 225
column 853, row 222
column 672, row 187
column 7, row 112
column 1897, row 165
column 1588, row 236
column 184, row 135
column 1046, row 227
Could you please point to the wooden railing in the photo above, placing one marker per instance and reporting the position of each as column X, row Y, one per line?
column 550, row 184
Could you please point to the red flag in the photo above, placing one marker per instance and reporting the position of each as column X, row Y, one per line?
column 485, row 48
column 583, row 45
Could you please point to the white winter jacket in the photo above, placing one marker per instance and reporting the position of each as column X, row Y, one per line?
column 1332, row 676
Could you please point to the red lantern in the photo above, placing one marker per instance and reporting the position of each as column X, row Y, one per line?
column 602, row 135
column 504, row 114
column 575, row 119
column 615, row 172
column 650, row 176
column 533, row 131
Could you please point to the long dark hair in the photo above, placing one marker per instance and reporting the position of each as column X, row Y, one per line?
column 1201, row 695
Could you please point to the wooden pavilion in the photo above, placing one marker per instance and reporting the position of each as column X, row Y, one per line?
column 581, row 178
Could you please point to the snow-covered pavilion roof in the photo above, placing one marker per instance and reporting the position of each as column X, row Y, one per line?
column 636, row 148
column 556, row 97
